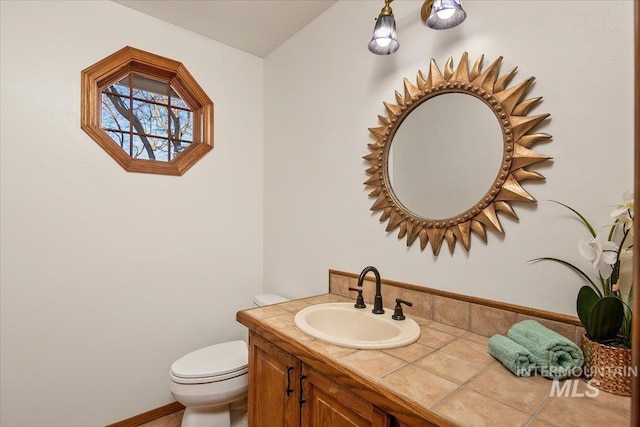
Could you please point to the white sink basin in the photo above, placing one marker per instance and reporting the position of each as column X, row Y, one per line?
column 341, row 324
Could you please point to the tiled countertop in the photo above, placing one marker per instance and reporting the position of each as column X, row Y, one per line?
column 465, row 384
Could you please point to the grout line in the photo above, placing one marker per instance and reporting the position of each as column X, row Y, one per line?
column 539, row 408
column 430, row 307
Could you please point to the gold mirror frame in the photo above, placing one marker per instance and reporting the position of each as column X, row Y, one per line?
column 511, row 111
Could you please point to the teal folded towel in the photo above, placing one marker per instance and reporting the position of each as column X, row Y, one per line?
column 512, row 355
column 556, row 356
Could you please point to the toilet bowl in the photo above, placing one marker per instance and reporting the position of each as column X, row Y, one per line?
column 208, row 380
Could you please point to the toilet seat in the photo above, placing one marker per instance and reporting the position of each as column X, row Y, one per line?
column 215, row 363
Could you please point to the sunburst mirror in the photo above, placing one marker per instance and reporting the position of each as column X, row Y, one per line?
column 439, row 184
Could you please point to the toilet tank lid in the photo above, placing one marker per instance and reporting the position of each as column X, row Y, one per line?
column 214, row 360
column 268, row 299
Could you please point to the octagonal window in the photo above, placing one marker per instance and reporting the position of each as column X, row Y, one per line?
column 147, row 112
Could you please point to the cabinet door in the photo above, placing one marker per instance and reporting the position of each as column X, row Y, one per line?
column 274, row 380
column 329, row 404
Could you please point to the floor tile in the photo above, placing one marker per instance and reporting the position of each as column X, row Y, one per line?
column 171, row 420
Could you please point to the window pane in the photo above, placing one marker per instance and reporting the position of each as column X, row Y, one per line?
column 176, row 100
column 179, row 147
column 121, row 139
column 150, row 148
column 182, row 125
column 112, row 117
column 120, row 87
column 161, row 149
column 139, row 151
column 150, row 89
column 151, row 119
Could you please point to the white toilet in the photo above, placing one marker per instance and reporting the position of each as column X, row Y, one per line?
column 208, row 380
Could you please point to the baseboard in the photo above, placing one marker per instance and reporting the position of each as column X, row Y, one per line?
column 148, row 416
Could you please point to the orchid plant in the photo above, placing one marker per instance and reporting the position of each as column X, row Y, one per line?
column 604, row 304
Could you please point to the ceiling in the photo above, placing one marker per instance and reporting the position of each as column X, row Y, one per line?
column 254, row 26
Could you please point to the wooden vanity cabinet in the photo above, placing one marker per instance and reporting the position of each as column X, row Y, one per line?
column 273, row 389
column 284, row 392
column 329, row 404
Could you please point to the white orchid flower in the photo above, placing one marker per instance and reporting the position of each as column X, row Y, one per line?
column 599, row 251
column 621, row 212
column 625, row 280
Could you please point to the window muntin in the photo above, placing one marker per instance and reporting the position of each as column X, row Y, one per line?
column 146, row 118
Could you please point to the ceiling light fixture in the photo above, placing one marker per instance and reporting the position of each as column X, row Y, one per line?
column 436, row 14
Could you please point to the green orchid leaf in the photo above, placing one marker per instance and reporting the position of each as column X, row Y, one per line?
column 628, row 319
column 583, row 219
column 606, row 319
column 626, row 328
column 585, row 302
column 573, row 267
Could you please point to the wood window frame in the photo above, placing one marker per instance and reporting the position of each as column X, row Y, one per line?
column 127, row 60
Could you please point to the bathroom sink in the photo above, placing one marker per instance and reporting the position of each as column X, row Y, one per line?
column 341, row 324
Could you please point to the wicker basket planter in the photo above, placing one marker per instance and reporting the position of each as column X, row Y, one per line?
column 609, row 366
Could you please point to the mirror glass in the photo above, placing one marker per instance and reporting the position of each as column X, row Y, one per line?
column 445, row 155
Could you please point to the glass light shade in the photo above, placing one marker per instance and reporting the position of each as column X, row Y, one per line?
column 384, row 40
column 446, row 14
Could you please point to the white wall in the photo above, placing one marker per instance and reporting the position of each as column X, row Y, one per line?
column 323, row 89
column 109, row 276
column 94, row 292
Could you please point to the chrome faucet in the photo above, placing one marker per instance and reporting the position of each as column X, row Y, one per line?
column 377, row 299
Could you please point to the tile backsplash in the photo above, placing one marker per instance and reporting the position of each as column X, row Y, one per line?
column 477, row 315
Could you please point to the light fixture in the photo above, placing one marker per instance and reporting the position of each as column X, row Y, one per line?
column 384, row 39
column 442, row 14
column 437, row 14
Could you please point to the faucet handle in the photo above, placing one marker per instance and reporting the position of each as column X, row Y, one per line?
column 359, row 300
column 397, row 312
